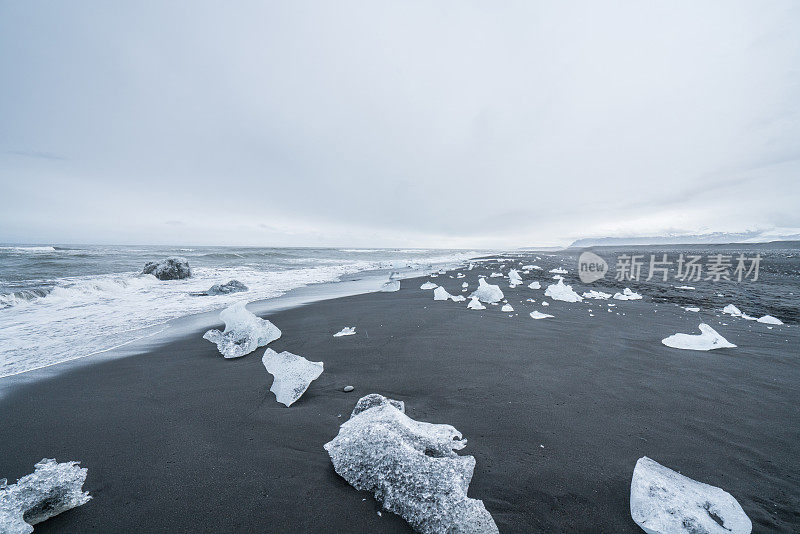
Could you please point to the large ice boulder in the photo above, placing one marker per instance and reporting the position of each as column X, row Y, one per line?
column 293, row 374
column 561, row 291
column 769, row 319
column 168, row 269
column 233, row 286
column 244, row 332
column 666, row 502
column 707, row 339
column 487, row 292
column 52, row 488
column 410, row 466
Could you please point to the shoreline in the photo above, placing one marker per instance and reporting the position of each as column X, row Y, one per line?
column 574, row 402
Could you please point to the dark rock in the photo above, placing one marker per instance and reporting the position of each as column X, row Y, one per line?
column 168, row 269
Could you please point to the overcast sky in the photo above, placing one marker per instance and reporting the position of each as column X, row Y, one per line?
column 401, row 123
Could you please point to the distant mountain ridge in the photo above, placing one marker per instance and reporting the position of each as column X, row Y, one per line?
column 717, row 238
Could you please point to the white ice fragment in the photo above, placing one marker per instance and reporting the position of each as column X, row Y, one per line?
column 558, row 270
column 391, row 286
column 692, row 308
column 244, row 332
column 514, row 277
column 730, row 309
column 410, row 466
column 535, row 285
column 441, row 293
column 539, row 315
column 460, row 275
column 464, row 285
column 560, row 291
column 52, row 488
column 487, row 292
column 627, row 294
column 708, row 339
column 496, row 275
column 293, row 374
column 665, row 502
column 346, row 331
column 545, row 303
column 507, row 308
column 684, row 287
column 534, row 267
column 528, row 267
column 769, row 319
column 428, row 285
column 598, row 295
column 475, row 304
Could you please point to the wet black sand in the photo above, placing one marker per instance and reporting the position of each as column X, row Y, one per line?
column 556, row 412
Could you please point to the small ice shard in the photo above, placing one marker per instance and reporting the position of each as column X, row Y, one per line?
column 391, row 286
column 293, row 374
column 464, row 285
column 244, row 332
column 665, row 502
column 560, row 291
column 535, row 285
column 442, row 271
column 496, row 275
column 684, row 287
column 769, row 319
column 545, row 303
column 598, row 295
column 168, row 269
column 233, row 286
column 708, row 339
column 487, row 292
column 52, row 488
column 346, row 331
column 692, row 308
column 528, row 267
column 475, row 304
column 558, row 270
column 730, row 309
column 535, row 267
column 409, row 466
column 507, row 308
column 471, row 266
column 514, row 277
column 428, row 285
column 539, row 315
column 558, row 277
column 460, row 275
column 441, row 293
column 627, row 294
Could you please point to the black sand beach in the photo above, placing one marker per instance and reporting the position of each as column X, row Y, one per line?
column 556, row 413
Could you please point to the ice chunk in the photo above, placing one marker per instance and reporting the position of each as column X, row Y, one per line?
column 539, row 315
column 496, row 275
column 391, row 286
column 428, row 285
column 708, row 339
column 168, row 269
column 475, row 304
column 346, row 331
column 487, row 292
column 528, row 267
column 410, row 466
column 769, row 319
column 598, row 295
column 464, row 285
column 244, row 332
column 730, row 309
column 665, row 502
column 507, row 308
column 535, row 285
column 441, row 293
column 561, row 291
column 293, row 374
column 514, row 277
column 460, row 275
column 558, row 270
column 52, row 488
column 692, row 308
column 627, row 294
column 233, row 286
column 684, row 287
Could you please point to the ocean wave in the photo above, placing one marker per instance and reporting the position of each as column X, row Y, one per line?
column 23, row 250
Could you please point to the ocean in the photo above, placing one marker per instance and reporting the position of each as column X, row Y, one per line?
column 63, row 302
